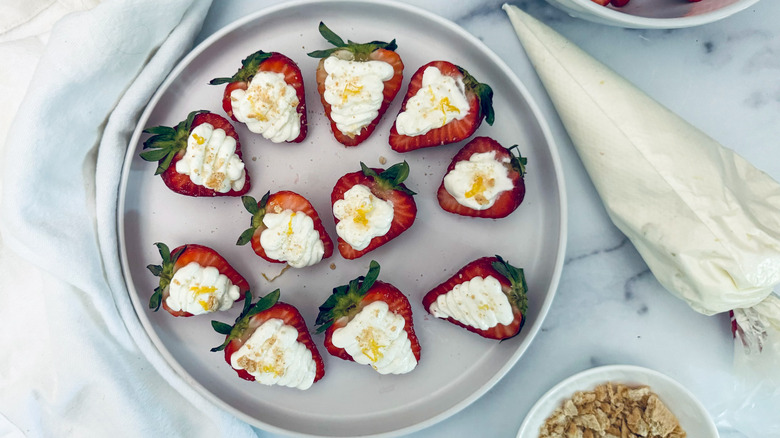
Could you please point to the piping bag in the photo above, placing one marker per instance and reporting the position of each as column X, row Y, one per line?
column 706, row 221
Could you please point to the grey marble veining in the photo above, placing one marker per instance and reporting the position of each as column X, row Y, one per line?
column 609, row 309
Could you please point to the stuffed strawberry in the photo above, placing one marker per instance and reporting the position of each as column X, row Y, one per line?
column 370, row 322
column 269, row 343
column 285, row 228
column 484, row 179
column 356, row 83
column 195, row 279
column 371, row 208
column 201, row 156
column 444, row 104
column 487, row 297
column 267, row 94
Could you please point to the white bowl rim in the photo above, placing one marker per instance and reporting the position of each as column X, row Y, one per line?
column 626, row 19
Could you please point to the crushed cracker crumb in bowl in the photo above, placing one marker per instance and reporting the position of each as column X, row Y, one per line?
column 652, row 14
column 604, row 399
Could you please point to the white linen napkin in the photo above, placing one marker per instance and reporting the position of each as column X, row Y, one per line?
column 706, row 221
column 76, row 361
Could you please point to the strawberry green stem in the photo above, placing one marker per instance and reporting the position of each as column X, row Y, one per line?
column 258, row 212
column 391, row 178
column 249, row 67
column 238, row 329
column 345, row 300
column 165, row 271
column 518, row 290
column 360, row 51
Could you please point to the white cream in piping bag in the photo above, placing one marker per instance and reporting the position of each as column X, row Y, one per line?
column 705, row 220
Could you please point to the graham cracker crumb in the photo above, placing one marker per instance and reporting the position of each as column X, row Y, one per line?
column 612, row 411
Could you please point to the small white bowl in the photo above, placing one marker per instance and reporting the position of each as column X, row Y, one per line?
column 654, row 14
column 691, row 414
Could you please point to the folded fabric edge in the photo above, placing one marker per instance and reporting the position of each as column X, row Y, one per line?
column 113, row 147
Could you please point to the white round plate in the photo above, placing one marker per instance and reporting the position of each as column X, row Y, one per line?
column 457, row 366
column 692, row 415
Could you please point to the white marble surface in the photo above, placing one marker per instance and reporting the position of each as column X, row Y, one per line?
column 609, row 309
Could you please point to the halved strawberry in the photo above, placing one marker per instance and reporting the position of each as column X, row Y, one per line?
column 253, row 64
column 480, row 99
column 476, row 304
column 271, row 358
column 353, row 90
column 169, row 145
column 365, row 317
column 482, row 180
column 182, row 256
column 293, row 250
column 387, row 185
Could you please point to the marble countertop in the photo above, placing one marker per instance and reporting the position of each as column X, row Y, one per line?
column 609, row 309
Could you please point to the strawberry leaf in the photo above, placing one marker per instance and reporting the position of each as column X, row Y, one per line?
column 166, row 142
column 156, row 299
column 391, row 178
column 258, row 212
column 250, row 204
column 518, row 161
column 345, row 300
column 164, row 271
column 484, row 94
column 518, row 290
column 221, row 327
column 249, row 67
column 160, row 130
column 247, row 304
column 370, row 278
column 165, row 253
column 154, row 154
column 359, row 51
column 263, row 304
column 330, row 36
column 242, row 322
column 246, row 236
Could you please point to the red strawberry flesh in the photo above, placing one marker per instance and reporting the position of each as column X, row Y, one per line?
column 478, row 95
column 181, row 257
column 374, row 51
column 404, row 207
column 508, row 200
column 277, row 203
column 514, row 288
column 273, row 62
column 169, row 145
column 348, row 301
column 252, row 318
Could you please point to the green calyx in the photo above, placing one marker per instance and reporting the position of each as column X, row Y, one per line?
column 518, row 161
column 242, row 322
column 390, row 178
column 518, row 290
column 166, row 142
column 164, row 271
column 257, row 211
column 249, row 67
column 345, row 300
column 484, row 94
column 359, row 51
